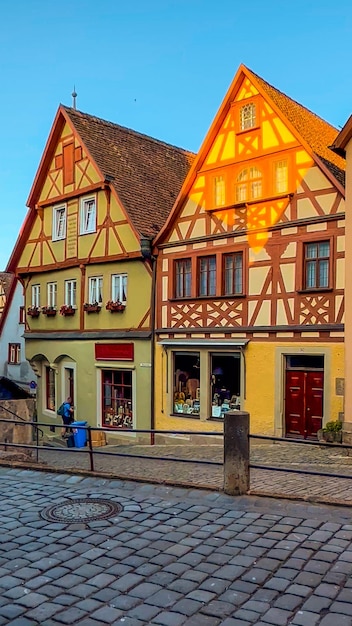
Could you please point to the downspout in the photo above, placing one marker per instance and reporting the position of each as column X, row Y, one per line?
column 146, row 249
column 152, row 360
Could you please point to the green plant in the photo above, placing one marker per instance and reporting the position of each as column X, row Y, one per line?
column 333, row 427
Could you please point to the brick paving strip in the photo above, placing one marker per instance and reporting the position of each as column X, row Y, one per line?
column 171, row 557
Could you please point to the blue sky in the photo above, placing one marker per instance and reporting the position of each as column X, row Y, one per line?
column 161, row 67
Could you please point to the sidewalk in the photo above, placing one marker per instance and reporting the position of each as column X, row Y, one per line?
column 169, row 557
column 265, row 482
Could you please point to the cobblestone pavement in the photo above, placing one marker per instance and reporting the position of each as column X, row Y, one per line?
column 329, row 460
column 171, row 557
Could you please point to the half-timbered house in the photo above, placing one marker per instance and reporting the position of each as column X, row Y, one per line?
column 101, row 193
column 250, row 298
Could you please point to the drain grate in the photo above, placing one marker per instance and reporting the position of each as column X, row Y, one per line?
column 81, row 510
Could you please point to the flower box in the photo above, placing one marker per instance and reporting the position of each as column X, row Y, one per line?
column 115, row 307
column 33, row 311
column 91, row 307
column 67, row 310
column 50, row 311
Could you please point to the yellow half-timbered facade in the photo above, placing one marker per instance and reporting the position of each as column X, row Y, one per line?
column 83, row 256
column 251, row 269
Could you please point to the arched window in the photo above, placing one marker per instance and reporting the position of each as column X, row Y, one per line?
column 248, row 116
column 249, row 184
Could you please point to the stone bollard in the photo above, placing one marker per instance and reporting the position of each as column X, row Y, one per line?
column 236, row 452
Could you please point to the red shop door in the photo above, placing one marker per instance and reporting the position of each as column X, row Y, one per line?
column 303, row 403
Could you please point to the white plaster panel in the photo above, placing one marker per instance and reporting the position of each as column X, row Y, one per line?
column 288, row 275
column 190, row 207
column 340, row 243
column 261, row 255
column 281, row 317
column 290, row 231
column 291, row 251
column 165, row 265
column 165, row 282
column 199, row 228
column 221, row 242
column 305, row 209
column 200, row 246
column 263, row 317
column 340, row 273
column 326, row 202
column 175, row 249
column 257, row 277
column 312, row 228
column 315, row 179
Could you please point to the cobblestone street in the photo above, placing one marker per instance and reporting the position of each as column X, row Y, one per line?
column 170, row 556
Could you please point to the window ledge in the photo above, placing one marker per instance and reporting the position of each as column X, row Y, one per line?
column 197, row 298
column 315, row 290
column 194, row 416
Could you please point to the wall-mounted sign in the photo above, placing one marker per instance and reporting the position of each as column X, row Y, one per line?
column 114, row 351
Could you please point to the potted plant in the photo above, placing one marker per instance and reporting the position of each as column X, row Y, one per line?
column 332, row 432
column 50, row 311
column 33, row 311
column 91, row 307
column 115, row 306
column 67, row 310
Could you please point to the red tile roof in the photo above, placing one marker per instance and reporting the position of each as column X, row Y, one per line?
column 318, row 134
column 147, row 174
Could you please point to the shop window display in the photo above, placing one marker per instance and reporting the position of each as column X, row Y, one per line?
column 117, row 399
column 225, row 384
column 186, row 383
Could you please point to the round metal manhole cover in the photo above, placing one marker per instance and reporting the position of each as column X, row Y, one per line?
column 81, row 510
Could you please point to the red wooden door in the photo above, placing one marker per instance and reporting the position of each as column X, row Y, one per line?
column 303, row 403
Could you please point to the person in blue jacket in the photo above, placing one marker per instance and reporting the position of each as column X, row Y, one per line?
column 67, row 417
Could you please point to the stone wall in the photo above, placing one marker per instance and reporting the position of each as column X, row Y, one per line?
column 20, row 411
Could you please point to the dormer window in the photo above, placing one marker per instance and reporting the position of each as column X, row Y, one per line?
column 249, row 184
column 248, row 117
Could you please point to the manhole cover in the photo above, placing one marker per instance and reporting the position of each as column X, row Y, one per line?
column 81, row 510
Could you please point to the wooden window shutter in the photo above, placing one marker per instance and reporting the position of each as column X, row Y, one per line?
column 69, row 164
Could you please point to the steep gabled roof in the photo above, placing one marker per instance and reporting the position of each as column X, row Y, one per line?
column 310, row 129
column 318, row 133
column 147, row 174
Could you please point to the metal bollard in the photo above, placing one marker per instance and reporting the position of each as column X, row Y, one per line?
column 236, row 452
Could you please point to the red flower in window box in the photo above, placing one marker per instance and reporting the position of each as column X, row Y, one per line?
column 67, row 310
column 91, row 307
column 33, row 311
column 50, row 311
column 115, row 306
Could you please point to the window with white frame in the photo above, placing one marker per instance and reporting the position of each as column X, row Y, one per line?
column 52, row 294
column 88, row 222
column 248, row 116
column 35, row 295
column 119, row 288
column 70, row 293
column 59, row 223
column 95, row 286
column 14, row 356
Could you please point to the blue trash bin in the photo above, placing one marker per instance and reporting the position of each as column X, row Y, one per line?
column 79, row 434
